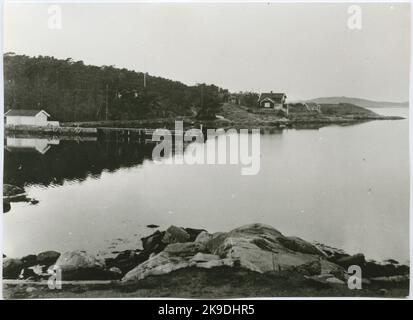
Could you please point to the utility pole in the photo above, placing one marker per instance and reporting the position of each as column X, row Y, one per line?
column 107, row 110
column 145, row 73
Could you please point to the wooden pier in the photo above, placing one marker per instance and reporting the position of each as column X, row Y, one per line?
column 51, row 130
column 113, row 133
column 137, row 134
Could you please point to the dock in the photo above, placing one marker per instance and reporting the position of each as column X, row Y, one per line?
column 112, row 133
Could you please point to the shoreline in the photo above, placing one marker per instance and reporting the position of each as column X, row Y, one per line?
column 177, row 257
column 90, row 129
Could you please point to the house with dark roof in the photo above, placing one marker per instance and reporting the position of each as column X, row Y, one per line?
column 27, row 117
column 272, row 100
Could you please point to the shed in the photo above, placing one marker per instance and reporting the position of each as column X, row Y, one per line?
column 27, row 117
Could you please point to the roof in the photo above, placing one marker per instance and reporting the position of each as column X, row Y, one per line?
column 25, row 113
column 276, row 97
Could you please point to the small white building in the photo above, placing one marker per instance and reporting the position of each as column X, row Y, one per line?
column 27, row 117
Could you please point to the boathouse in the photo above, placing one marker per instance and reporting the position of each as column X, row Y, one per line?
column 28, row 117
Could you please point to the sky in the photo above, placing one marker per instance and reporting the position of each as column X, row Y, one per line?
column 304, row 50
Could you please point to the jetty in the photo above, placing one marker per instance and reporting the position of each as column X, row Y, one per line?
column 112, row 133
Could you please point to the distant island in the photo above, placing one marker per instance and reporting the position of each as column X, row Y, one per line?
column 359, row 102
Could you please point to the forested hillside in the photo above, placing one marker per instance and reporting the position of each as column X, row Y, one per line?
column 72, row 91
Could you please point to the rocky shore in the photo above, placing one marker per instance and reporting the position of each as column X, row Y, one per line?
column 13, row 193
column 271, row 263
column 236, row 116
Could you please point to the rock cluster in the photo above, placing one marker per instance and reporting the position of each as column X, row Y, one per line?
column 30, row 267
column 256, row 247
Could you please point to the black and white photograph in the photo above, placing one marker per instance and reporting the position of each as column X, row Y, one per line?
column 205, row 150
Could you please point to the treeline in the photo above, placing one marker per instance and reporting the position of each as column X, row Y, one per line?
column 72, row 91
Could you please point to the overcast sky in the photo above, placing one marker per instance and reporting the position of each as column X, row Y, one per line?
column 305, row 50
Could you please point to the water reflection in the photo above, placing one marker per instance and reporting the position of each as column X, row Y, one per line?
column 41, row 146
column 47, row 161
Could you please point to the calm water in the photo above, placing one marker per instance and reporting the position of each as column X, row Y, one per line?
column 343, row 186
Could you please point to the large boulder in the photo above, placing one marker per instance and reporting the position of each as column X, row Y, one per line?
column 193, row 233
column 79, row 265
column 257, row 229
column 127, row 260
column 357, row 259
column 153, row 243
column 214, row 240
column 262, row 236
column 175, row 234
column 12, row 268
column 161, row 263
column 166, row 262
column 203, row 237
column 251, row 257
column 29, row 260
column 47, row 258
column 257, row 247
